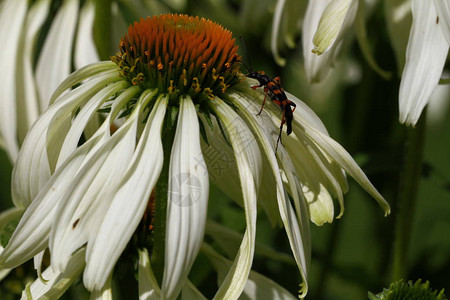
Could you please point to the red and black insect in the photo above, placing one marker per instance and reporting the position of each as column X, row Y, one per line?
column 273, row 88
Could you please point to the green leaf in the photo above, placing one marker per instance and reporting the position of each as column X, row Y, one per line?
column 9, row 220
column 400, row 290
column 7, row 231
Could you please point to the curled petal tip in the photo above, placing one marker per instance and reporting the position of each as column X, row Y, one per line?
column 280, row 60
column 303, row 291
column 316, row 51
column 387, row 211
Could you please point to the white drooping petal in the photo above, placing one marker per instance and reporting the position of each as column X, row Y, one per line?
column 221, row 163
column 318, row 24
column 425, row 58
column 267, row 194
column 286, row 164
column 56, row 282
column 83, row 74
column 78, row 124
column 82, row 208
column 293, row 188
column 319, row 200
column 443, row 10
column 96, row 92
column 129, row 202
column 187, row 204
column 316, row 66
column 37, row 261
column 334, row 150
column 277, row 16
column 266, row 184
column 54, row 62
column 85, row 49
column 105, row 293
column 320, row 176
column 32, row 233
column 321, row 179
column 260, row 287
column 219, row 158
column 32, row 170
column 240, row 138
column 4, row 273
column 12, row 18
column 148, row 285
column 257, row 286
column 287, row 213
column 303, row 111
column 332, row 22
column 27, row 97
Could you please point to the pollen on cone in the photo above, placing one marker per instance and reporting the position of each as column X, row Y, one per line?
column 179, row 54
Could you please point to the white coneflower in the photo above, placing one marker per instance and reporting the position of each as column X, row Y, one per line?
column 124, row 147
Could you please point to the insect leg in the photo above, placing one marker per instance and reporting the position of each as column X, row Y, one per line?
column 281, row 130
column 264, row 102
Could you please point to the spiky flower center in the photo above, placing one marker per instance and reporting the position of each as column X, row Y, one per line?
column 179, row 54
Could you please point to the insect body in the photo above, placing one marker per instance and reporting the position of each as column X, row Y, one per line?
column 273, row 88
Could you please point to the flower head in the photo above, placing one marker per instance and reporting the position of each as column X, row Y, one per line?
column 129, row 143
column 180, row 55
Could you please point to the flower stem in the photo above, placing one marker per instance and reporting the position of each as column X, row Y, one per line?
column 409, row 183
column 327, row 260
column 161, row 197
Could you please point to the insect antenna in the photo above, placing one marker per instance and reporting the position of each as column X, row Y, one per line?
column 249, row 66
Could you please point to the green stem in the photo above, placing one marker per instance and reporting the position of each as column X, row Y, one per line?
column 102, row 28
column 327, row 261
column 161, row 198
column 409, row 183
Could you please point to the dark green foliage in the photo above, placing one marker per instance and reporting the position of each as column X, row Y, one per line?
column 400, row 290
